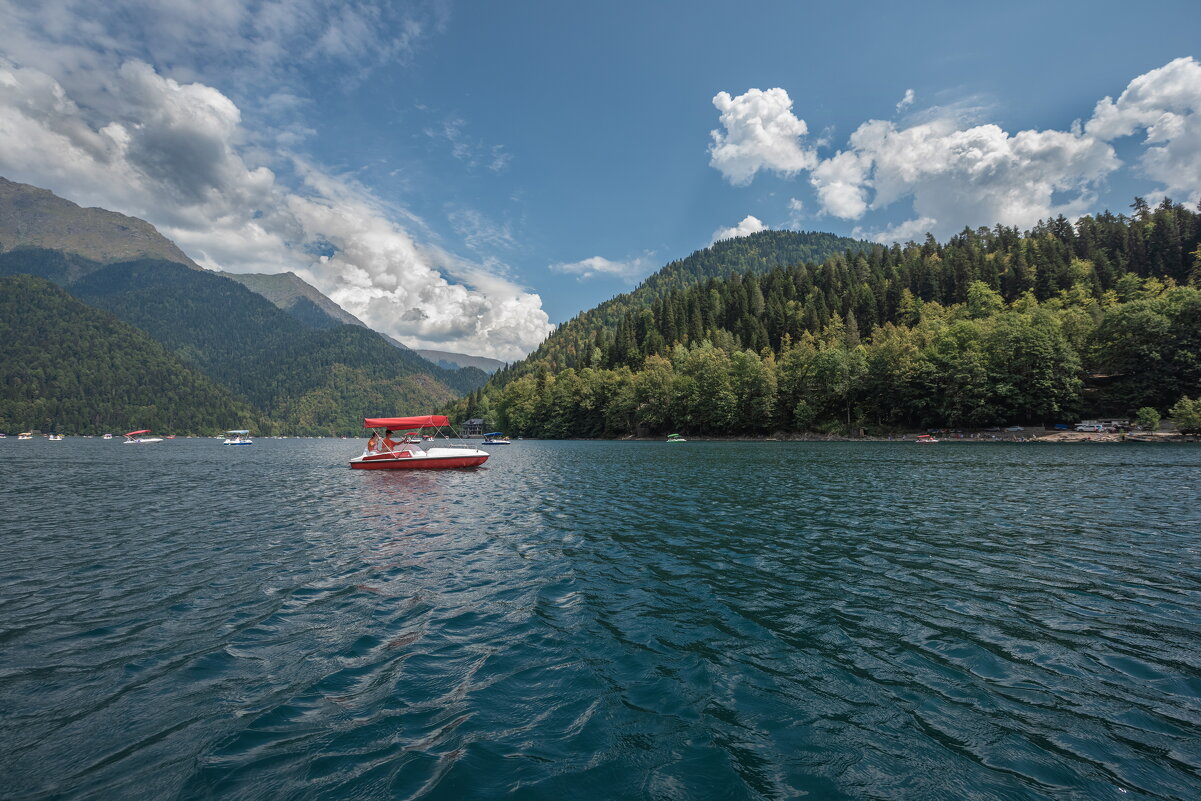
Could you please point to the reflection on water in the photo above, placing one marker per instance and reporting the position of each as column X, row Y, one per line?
column 601, row 620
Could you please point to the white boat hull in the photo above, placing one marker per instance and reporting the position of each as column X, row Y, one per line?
column 416, row 459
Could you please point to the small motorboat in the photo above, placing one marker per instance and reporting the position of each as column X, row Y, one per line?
column 136, row 438
column 241, row 436
column 55, row 438
column 496, row 438
column 382, row 453
column 675, row 438
column 107, row 436
column 925, row 439
column 25, row 435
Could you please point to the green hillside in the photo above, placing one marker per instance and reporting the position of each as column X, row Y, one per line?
column 69, row 367
column 281, row 367
column 290, row 292
column 758, row 253
column 992, row 327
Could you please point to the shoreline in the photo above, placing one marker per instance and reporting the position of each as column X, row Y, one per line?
column 1030, row 436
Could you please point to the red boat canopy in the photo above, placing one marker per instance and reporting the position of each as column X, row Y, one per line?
column 135, row 433
column 398, row 423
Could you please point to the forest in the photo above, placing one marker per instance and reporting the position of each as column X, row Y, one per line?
column 297, row 379
column 995, row 326
column 72, row 368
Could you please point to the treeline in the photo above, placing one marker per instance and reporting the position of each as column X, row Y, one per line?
column 755, row 254
column 71, row 368
column 994, row 326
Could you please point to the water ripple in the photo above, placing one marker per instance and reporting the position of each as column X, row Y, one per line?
column 601, row 620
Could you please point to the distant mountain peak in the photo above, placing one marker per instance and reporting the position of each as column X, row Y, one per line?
column 32, row 217
column 298, row 297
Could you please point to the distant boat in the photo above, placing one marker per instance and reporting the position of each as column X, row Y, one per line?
column 108, row 436
column 136, row 438
column 925, row 439
column 496, row 438
column 384, row 454
column 675, row 438
column 55, row 438
column 25, row 435
column 241, row 436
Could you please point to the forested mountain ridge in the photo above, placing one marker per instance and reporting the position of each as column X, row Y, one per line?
column 994, row 326
column 70, row 367
column 753, row 254
column 293, row 294
column 31, row 217
column 301, row 380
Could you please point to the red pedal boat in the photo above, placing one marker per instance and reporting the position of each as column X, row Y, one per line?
column 382, row 453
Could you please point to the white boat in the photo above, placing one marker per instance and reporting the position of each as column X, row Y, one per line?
column 675, row 438
column 108, row 436
column 240, row 437
column 925, row 439
column 136, row 438
column 25, row 435
column 496, row 438
column 55, row 438
column 382, row 453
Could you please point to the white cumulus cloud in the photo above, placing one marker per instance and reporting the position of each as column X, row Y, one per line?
column 749, row 225
column 1166, row 104
column 956, row 171
column 176, row 156
column 962, row 176
column 761, row 133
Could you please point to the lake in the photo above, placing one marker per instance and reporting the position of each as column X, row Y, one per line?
column 601, row 620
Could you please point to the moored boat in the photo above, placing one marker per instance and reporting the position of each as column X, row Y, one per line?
column 675, row 438
column 382, row 453
column 241, row 436
column 925, row 439
column 136, row 438
column 496, row 438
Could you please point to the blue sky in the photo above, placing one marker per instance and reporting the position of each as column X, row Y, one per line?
column 465, row 175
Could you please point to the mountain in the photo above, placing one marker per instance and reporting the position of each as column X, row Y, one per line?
column 303, row 366
column 298, row 298
column 452, row 361
column 306, row 380
column 307, row 304
column 756, row 254
column 70, row 367
column 31, row 217
column 996, row 326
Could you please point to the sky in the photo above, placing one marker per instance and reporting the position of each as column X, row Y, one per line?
column 467, row 175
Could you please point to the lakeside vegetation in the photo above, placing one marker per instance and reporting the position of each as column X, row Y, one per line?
column 994, row 326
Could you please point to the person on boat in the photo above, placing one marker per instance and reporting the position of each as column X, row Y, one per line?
column 371, row 443
column 388, row 445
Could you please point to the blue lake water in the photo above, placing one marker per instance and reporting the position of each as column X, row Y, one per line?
column 601, row 620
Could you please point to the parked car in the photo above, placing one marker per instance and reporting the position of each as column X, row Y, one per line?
column 1092, row 428
column 1015, row 428
column 1062, row 426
